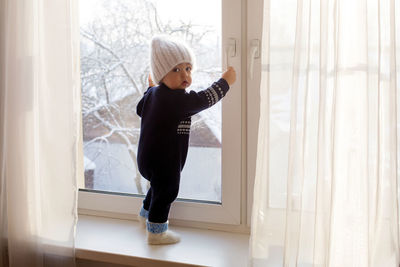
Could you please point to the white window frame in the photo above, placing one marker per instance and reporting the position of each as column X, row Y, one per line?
column 233, row 210
column 255, row 10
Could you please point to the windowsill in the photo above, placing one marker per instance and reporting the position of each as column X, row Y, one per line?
column 124, row 242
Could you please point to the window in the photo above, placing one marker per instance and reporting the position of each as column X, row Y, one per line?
column 115, row 38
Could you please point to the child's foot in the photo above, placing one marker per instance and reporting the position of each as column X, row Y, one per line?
column 158, row 234
column 168, row 237
column 142, row 217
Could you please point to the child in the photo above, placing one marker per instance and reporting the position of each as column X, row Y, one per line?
column 166, row 112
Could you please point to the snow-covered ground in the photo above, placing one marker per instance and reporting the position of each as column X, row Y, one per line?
column 115, row 171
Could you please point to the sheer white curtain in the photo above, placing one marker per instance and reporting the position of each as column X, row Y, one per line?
column 39, row 133
column 326, row 190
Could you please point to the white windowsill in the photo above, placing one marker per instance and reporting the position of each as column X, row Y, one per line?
column 124, row 242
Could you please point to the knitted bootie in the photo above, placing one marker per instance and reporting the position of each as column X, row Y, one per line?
column 142, row 217
column 158, row 234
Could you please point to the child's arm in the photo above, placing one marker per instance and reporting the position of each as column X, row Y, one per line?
column 139, row 106
column 195, row 102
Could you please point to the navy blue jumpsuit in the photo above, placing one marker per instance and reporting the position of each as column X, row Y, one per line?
column 164, row 140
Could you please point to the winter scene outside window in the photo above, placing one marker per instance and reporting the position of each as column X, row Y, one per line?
column 115, row 38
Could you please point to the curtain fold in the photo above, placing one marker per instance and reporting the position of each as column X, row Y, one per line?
column 326, row 187
column 40, row 129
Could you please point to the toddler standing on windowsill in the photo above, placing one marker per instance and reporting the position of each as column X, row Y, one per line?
column 166, row 111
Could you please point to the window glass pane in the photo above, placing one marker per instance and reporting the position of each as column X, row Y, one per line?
column 115, row 37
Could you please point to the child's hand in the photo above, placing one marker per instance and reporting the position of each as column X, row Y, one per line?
column 229, row 75
column 151, row 83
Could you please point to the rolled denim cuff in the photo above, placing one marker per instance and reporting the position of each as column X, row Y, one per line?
column 157, row 228
column 144, row 213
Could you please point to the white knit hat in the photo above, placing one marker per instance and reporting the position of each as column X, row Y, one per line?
column 166, row 54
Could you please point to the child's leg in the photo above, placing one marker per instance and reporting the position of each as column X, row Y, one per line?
column 147, row 200
column 164, row 192
column 144, row 210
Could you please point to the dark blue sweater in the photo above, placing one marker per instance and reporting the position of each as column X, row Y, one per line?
column 165, row 126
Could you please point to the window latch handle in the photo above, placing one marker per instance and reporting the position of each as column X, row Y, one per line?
column 254, row 53
column 230, row 51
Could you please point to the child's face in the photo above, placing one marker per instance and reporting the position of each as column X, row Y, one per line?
column 180, row 77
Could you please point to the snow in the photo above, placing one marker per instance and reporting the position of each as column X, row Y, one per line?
column 88, row 164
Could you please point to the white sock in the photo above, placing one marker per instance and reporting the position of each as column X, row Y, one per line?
column 158, row 234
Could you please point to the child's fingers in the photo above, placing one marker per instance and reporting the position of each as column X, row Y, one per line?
column 151, row 83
